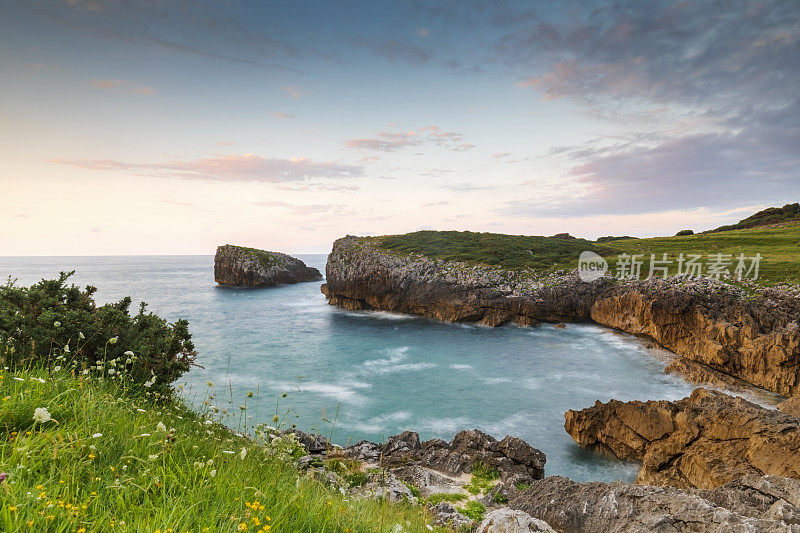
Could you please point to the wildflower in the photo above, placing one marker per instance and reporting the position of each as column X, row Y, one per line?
column 41, row 415
column 56, row 368
column 210, row 383
column 113, row 340
column 152, row 457
column 111, row 371
column 57, row 324
column 12, row 508
column 243, row 453
column 3, row 476
column 145, row 435
column 213, row 473
column 81, row 335
column 97, row 435
column 161, row 427
column 208, row 422
column 128, row 354
column 66, row 348
column 250, row 394
column 242, row 527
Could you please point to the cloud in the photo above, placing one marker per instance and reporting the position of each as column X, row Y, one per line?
column 713, row 170
column 391, row 141
column 293, row 91
column 278, row 114
column 318, row 187
column 225, row 143
column 298, row 209
column 121, row 86
column 466, row 187
column 231, row 168
column 500, row 155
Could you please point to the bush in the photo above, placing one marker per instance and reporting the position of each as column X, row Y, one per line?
column 684, row 232
column 54, row 324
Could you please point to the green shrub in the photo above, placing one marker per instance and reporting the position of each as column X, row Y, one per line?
column 684, row 232
column 53, row 324
column 474, row 510
column 433, row 499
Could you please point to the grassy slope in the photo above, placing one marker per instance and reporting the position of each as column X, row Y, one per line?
column 106, row 466
column 779, row 247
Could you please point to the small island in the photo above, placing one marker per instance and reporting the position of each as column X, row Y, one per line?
column 249, row 267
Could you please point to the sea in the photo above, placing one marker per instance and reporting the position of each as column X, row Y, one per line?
column 355, row 375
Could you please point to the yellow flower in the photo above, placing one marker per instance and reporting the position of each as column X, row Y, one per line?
column 81, row 530
column 242, row 527
column 12, row 508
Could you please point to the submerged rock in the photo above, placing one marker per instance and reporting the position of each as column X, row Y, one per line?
column 704, row 441
column 759, row 504
column 240, row 266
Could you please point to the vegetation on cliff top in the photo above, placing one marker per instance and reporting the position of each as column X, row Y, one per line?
column 778, row 246
column 769, row 216
column 266, row 259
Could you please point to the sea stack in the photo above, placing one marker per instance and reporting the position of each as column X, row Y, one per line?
column 250, row 267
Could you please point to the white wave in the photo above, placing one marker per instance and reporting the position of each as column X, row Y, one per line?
column 460, row 366
column 395, row 356
column 378, row 424
column 341, row 392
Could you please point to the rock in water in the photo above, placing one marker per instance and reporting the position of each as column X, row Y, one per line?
column 249, row 267
column 703, row 441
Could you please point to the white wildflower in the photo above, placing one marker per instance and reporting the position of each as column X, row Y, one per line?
column 145, row 435
column 152, row 457
column 41, row 415
column 57, row 324
column 56, row 368
column 66, row 348
column 142, row 410
column 111, row 371
column 213, row 473
column 208, row 422
column 128, row 354
column 81, row 335
column 97, row 435
column 161, row 427
column 113, row 340
column 243, row 453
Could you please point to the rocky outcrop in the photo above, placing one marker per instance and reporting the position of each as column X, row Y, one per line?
column 704, row 441
column 754, row 503
column 422, row 463
column 507, row 520
column 240, row 266
column 751, row 336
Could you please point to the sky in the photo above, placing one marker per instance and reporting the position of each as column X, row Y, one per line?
column 174, row 126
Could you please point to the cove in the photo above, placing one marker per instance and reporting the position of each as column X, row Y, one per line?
column 383, row 373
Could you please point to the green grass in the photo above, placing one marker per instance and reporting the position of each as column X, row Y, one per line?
column 438, row 497
column 113, row 461
column 483, row 479
column 265, row 258
column 778, row 246
column 509, row 251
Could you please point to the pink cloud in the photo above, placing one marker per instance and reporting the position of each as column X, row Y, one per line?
column 121, row 86
column 243, row 167
column 390, row 141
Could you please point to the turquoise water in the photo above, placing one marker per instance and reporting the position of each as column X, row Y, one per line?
column 383, row 372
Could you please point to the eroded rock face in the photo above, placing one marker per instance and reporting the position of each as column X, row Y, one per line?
column 705, row 441
column 763, row 504
column 240, row 266
column 755, row 339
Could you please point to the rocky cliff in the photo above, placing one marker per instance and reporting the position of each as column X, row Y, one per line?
column 704, row 441
column 715, row 327
column 451, row 479
column 240, row 266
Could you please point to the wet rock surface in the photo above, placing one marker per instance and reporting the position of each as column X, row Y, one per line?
column 753, row 336
column 704, row 441
column 249, row 267
column 758, row 504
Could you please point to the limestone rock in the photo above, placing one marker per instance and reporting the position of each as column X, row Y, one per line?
column 446, row 515
column 704, row 441
column 791, row 407
column 507, row 520
column 569, row 506
column 240, row 266
column 755, row 339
